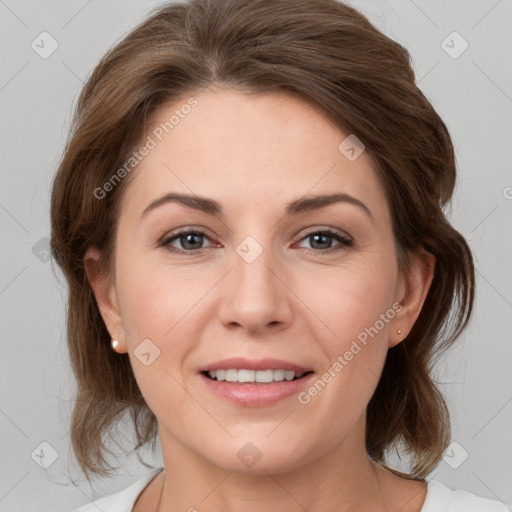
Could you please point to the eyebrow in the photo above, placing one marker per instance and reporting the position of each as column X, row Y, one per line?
column 301, row 205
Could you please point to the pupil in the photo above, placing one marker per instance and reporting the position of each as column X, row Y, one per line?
column 325, row 237
column 187, row 237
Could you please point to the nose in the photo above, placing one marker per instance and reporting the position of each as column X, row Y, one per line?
column 256, row 296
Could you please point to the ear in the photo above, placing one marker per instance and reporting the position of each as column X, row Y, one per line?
column 411, row 293
column 105, row 294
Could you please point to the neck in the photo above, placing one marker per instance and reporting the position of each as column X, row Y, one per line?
column 344, row 476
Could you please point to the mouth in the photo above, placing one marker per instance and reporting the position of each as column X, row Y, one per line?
column 242, row 376
column 250, row 383
column 243, row 387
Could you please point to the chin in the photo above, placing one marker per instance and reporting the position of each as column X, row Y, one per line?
column 260, row 457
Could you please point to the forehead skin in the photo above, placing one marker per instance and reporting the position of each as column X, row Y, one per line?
column 253, row 154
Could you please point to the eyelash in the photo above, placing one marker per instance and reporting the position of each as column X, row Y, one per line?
column 344, row 241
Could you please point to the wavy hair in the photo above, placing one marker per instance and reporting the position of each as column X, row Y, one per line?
column 325, row 53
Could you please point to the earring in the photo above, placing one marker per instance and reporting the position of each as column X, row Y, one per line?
column 399, row 331
column 114, row 344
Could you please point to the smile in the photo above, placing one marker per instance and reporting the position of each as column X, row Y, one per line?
column 244, row 387
column 258, row 376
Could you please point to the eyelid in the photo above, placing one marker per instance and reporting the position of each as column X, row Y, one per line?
column 344, row 239
column 183, row 230
column 165, row 241
column 323, row 229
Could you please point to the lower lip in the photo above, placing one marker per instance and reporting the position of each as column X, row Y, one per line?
column 256, row 394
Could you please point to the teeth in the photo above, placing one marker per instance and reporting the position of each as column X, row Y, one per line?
column 263, row 376
column 279, row 375
column 289, row 375
column 246, row 375
column 231, row 375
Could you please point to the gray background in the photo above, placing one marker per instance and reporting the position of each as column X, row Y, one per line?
column 472, row 92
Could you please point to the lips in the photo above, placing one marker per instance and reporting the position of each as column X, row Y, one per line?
column 241, row 363
column 250, row 382
column 255, row 394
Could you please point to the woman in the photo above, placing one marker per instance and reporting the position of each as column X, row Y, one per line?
column 249, row 214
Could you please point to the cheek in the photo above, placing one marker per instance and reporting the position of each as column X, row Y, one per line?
column 156, row 306
column 351, row 298
column 355, row 304
column 155, row 299
column 338, row 302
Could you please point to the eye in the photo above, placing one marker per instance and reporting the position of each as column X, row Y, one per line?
column 189, row 239
column 323, row 241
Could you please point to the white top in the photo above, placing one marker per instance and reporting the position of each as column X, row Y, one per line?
column 439, row 499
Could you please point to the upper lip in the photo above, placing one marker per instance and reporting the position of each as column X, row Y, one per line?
column 241, row 363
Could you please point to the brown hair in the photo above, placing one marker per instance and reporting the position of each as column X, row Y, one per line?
column 331, row 56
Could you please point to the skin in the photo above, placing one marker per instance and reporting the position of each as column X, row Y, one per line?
column 298, row 301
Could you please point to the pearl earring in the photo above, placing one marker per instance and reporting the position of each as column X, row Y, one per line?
column 399, row 331
column 114, row 344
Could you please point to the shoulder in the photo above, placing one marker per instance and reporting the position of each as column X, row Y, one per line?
column 123, row 500
column 442, row 499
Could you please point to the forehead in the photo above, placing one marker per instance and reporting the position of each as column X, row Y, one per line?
column 248, row 149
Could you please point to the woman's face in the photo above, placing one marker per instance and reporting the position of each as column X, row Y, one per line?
column 260, row 286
